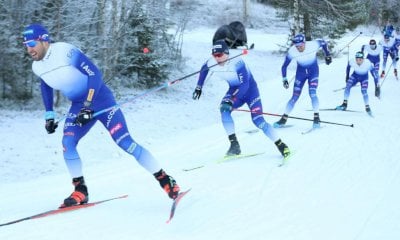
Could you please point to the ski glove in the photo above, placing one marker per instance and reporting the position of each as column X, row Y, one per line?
column 51, row 125
column 328, row 60
column 285, row 83
column 197, row 93
column 226, row 105
column 84, row 116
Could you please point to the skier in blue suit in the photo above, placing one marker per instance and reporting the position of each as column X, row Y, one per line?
column 242, row 90
column 62, row 66
column 305, row 54
column 389, row 49
column 373, row 51
column 360, row 67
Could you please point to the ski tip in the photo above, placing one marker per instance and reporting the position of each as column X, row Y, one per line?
column 175, row 203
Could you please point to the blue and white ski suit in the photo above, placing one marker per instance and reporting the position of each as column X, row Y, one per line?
column 389, row 49
column 307, row 69
column 242, row 90
column 360, row 74
column 66, row 68
column 373, row 55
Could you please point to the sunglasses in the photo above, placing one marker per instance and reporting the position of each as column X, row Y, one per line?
column 30, row 43
column 218, row 55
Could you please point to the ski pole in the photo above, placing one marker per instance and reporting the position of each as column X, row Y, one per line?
column 298, row 118
column 386, row 74
column 155, row 89
column 348, row 44
column 343, row 88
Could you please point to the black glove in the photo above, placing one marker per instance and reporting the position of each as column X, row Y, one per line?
column 84, row 116
column 285, row 83
column 196, row 93
column 396, row 58
column 328, row 60
column 226, row 105
column 51, row 125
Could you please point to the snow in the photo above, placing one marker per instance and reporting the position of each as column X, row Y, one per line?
column 342, row 182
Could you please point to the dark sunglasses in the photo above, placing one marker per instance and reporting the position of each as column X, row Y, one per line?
column 30, row 43
column 218, row 55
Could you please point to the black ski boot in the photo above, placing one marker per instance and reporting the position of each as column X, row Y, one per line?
column 281, row 121
column 80, row 194
column 316, row 122
column 168, row 183
column 283, row 148
column 234, row 149
column 342, row 107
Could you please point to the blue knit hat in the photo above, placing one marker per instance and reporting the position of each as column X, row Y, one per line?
column 299, row 39
column 35, row 32
column 220, row 46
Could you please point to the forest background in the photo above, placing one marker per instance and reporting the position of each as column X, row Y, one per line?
column 115, row 32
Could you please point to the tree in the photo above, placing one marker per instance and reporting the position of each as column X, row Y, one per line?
column 145, row 28
column 317, row 19
column 112, row 33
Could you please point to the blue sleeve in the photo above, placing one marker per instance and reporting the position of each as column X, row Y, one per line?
column 243, row 76
column 285, row 65
column 348, row 69
column 394, row 50
column 47, row 95
column 203, row 75
column 374, row 74
column 85, row 66
column 324, row 46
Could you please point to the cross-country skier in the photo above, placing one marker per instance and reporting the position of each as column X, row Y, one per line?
column 373, row 51
column 389, row 49
column 242, row 90
column 62, row 66
column 305, row 54
column 360, row 67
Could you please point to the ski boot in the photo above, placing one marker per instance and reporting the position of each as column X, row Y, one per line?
column 378, row 91
column 281, row 121
column 395, row 73
column 342, row 107
column 234, row 149
column 383, row 74
column 316, row 122
column 79, row 196
column 168, row 183
column 283, row 148
column 368, row 110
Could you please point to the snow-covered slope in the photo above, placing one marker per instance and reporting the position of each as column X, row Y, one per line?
column 342, row 182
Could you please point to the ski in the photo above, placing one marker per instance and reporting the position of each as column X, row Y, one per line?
column 175, row 204
column 311, row 130
column 225, row 159
column 62, row 210
column 334, row 109
column 234, row 157
column 283, row 126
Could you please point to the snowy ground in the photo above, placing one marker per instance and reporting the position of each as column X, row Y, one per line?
column 342, row 183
